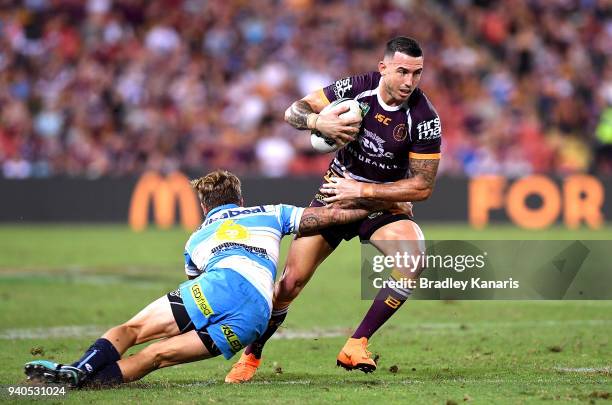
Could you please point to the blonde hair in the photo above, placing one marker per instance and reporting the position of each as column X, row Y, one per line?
column 218, row 188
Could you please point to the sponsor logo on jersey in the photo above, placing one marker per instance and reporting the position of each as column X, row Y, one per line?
column 431, row 129
column 365, row 108
column 370, row 161
column 232, row 339
column 372, row 145
column 399, row 132
column 342, row 86
column 201, row 301
column 234, row 212
column 229, row 230
column 258, row 251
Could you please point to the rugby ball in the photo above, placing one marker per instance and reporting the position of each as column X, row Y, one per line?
column 322, row 143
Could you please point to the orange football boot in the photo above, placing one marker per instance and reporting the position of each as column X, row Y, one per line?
column 355, row 356
column 243, row 370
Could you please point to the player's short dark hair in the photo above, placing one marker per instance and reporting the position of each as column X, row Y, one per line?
column 405, row 45
column 218, row 188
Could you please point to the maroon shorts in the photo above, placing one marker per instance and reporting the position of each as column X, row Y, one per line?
column 364, row 228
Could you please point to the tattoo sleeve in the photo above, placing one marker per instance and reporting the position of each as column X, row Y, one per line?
column 317, row 218
column 427, row 168
column 297, row 114
column 417, row 187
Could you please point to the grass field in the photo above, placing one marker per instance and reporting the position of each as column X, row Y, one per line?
column 61, row 286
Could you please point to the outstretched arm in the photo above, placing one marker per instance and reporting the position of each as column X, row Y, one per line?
column 417, row 187
column 316, row 218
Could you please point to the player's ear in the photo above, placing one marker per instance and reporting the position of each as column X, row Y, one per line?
column 382, row 67
column 204, row 209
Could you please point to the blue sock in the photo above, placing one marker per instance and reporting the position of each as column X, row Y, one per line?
column 106, row 377
column 98, row 356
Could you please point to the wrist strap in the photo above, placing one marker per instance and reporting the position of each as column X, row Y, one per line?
column 311, row 121
column 367, row 191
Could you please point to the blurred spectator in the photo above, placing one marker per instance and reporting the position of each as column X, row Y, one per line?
column 115, row 87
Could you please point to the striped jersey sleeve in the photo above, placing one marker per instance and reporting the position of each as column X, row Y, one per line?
column 289, row 218
column 190, row 268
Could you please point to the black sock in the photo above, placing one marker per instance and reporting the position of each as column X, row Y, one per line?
column 106, row 377
column 277, row 318
column 99, row 355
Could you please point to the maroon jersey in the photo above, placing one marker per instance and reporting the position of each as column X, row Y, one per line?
column 389, row 136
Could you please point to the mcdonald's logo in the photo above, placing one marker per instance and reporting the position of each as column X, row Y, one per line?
column 164, row 193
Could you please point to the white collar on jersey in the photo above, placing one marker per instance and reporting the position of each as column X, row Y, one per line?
column 384, row 105
column 219, row 208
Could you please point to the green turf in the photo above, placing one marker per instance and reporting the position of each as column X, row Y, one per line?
column 486, row 352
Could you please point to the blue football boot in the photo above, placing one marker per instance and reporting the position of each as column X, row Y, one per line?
column 71, row 376
column 42, row 371
column 49, row 372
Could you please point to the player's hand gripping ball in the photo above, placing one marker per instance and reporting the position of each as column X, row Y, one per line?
column 325, row 144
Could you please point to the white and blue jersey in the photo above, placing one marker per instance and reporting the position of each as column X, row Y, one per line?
column 246, row 240
column 234, row 253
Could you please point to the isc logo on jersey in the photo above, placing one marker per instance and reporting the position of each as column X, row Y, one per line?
column 431, row 129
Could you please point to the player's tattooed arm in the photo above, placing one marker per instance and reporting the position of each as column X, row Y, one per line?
column 423, row 174
column 297, row 115
column 417, row 187
column 316, row 218
column 304, row 114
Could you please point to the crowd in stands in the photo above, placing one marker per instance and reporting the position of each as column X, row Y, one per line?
column 116, row 87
